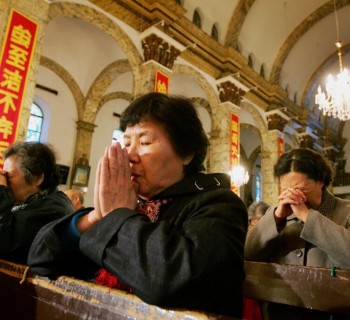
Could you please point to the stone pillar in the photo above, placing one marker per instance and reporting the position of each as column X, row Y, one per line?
column 220, row 140
column 160, row 52
column 230, row 93
column 36, row 10
column 83, row 143
column 147, row 77
column 270, row 154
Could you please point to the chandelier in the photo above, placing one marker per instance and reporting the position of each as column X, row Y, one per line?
column 336, row 101
column 239, row 176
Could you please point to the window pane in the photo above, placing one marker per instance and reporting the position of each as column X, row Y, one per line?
column 35, row 124
column 118, row 136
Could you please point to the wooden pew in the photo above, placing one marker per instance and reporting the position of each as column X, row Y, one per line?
column 38, row 298
column 319, row 289
column 67, row 298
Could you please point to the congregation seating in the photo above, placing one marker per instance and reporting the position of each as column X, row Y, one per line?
column 24, row 295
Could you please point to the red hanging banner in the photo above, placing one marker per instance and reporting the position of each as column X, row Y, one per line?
column 16, row 56
column 234, row 152
column 161, row 84
column 280, row 146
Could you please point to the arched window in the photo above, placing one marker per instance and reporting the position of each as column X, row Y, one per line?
column 258, row 188
column 262, row 71
column 118, row 136
column 214, row 32
column 35, row 123
column 197, row 19
column 250, row 61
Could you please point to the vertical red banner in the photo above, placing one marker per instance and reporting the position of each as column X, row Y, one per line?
column 280, row 146
column 16, row 56
column 234, row 147
column 161, row 83
column 280, row 152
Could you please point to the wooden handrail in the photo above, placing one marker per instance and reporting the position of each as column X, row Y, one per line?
column 39, row 298
column 320, row 289
column 67, row 298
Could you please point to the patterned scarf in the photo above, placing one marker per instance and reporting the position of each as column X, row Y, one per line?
column 151, row 210
column 31, row 198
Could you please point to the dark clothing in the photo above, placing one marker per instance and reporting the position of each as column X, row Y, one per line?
column 20, row 224
column 191, row 257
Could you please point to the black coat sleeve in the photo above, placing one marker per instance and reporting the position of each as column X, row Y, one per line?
column 56, row 252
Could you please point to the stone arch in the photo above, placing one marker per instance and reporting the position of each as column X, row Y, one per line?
column 210, row 92
column 100, row 84
column 259, row 120
column 298, row 32
column 113, row 96
column 236, row 22
column 96, row 18
column 66, row 77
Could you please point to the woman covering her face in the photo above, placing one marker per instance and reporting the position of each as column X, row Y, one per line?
column 29, row 197
column 165, row 231
column 309, row 226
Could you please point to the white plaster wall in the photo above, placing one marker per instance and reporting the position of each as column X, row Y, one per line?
column 106, row 124
column 60, row 130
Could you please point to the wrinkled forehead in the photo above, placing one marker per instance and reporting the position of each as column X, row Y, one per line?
column 296, row 180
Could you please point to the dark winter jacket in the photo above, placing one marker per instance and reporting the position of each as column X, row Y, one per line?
column 20, row 224
column 191, row 257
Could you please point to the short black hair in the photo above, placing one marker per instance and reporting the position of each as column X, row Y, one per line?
column 35, row 159
column 306, row 161
column 180, row 120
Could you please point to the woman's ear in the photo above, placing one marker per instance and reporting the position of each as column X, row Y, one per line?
column 39, row 180
column 187, row 160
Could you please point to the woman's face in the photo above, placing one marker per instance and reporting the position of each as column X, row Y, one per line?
column 153, row 161
column 311, row 188
column 19, row 188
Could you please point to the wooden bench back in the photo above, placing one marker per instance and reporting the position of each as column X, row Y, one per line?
column 67, row 298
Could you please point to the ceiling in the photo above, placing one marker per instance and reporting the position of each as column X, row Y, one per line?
column 293, row 41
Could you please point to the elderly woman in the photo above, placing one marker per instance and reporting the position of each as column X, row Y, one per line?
column 255, row 211
column 28, row 197
column 165, row 231
column 309, row 226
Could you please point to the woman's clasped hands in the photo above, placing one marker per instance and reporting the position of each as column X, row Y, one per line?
column 113, row 187
column 291, row 200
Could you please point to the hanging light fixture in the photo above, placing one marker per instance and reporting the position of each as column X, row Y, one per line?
column 336, row 101
column 239, row 175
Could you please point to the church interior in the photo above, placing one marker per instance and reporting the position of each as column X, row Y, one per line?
column 257, row 72
column 261, row 61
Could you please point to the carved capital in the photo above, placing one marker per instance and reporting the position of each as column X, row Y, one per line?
column 230, row 92
column 155, row 48
column 276, row 122
column 87, row 126
column 306, row 141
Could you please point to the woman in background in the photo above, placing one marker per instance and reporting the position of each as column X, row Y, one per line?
column 308, row 227
column 29, row 197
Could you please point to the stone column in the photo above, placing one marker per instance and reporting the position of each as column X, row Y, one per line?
column 160, row 52
column 83, row 143
column 220, row 140
column 230, row 93
column 36, row 10
column 270, row 154
column 85, row 132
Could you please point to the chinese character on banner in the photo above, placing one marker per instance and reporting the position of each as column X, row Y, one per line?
column 280, row 146
column 161, row 84
column 15, row 60
column 234, row 146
